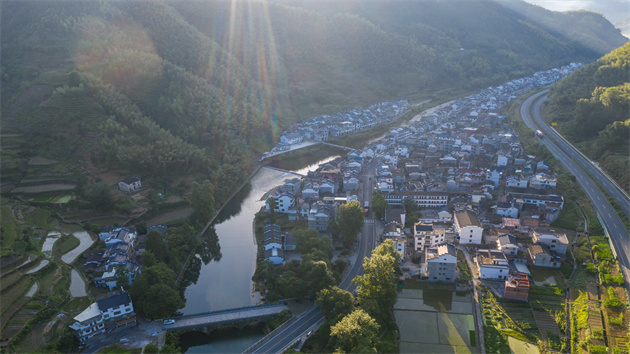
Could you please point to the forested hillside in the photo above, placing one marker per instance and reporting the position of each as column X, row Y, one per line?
column 592, row 108
column 203, row 87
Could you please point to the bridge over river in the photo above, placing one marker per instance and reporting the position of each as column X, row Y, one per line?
column 225, row 316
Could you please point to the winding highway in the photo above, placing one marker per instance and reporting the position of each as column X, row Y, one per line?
column 291, row 332
column 578, row 165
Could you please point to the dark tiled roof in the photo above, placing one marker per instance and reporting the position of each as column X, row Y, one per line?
column 131, row 180
column 114, row 301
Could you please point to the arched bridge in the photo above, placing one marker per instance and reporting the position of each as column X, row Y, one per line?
column 224, row 316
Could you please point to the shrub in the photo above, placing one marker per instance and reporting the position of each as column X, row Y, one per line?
column 598, row 349
column 613, row 301
column 616, row 321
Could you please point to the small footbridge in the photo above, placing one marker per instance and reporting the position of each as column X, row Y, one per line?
column 224, row 316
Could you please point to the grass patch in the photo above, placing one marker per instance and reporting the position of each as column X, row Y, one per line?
column 570, row 218
column 464, row 270
column 76, row 305
column 67, row 243
column 15, row 292
column 38, row 218
column 495, row 341
column 473, row 338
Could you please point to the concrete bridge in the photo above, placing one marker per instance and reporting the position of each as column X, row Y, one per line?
column 224, row 316
column 337, row 146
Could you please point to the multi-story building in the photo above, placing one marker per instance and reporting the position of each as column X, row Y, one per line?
column 320, row 217
column 508, row 245
column 421, row 199
column 468, row 229
column 427, row 235
column 441, row 262
column 557, row 243
column 103, row 316
column 517, row 287
column 492, row 264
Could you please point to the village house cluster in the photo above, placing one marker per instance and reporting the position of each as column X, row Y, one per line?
column 321, row 128
column 123, row 247
column 467, row 174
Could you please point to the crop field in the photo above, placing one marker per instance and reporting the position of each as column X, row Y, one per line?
column 430, row 322
column 63, row 199
column 34, row 189
column 18, row 321
column 14, row 293
column 38, row 218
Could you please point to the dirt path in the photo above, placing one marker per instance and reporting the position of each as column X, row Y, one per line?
column 86, row 242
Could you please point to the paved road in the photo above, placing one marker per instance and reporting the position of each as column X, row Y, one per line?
column 279, row 341
column 218, row 317
column 616, row 192
column 615, row 228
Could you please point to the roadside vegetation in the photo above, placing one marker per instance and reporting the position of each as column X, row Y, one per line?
column 365, row 323
column 590, row 108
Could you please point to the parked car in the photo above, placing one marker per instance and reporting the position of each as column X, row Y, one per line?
column 168, row 322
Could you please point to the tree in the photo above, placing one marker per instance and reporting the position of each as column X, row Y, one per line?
column 74, row 79
column 318, row 275
column 379, row 204
column 202, row 199
column 148, row 259
column 335, row 302
column 122, row 279
column 378, row 283
column 98, row 195
column 272, row 209
column 409, row 205
column 157, row 246
column 160, row 300
column 151, row 348
column 356, row 331
column 350, row 221
column 308, row 240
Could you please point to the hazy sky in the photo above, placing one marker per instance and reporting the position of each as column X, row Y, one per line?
column 614, row 10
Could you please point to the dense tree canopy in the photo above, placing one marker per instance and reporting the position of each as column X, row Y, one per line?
column 591, row 107
column 335, row 303
column 378, row 204
column 377, row 286
column 171, row 88
column 350, row 219
column 356, row 332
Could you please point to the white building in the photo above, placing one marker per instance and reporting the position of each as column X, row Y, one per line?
column 468, row 229
column 292, row 138
column 421, row 199
column 130, row 185
column 441, row 262
column 557, row 243
column 426, row 235
column 508, row 245
column 283, row 202
column 492, row 265
column 542, row 181
column 106, row 314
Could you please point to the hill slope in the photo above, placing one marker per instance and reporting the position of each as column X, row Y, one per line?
column 201, row 87
column 592, row 107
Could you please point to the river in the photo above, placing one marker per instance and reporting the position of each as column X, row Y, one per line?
column 225, row 281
